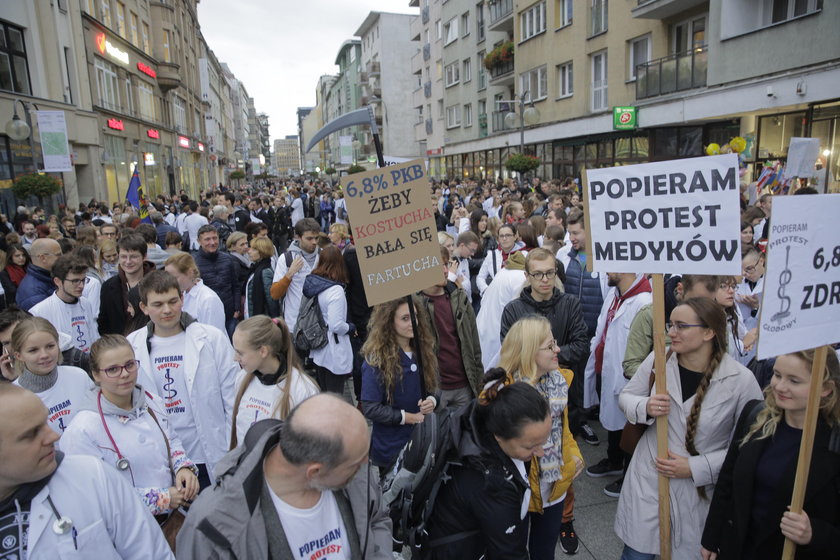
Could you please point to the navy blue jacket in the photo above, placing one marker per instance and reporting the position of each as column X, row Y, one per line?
column 580, row 283
column 35, row 287
column 220, row 273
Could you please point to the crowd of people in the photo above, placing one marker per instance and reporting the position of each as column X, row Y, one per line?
column 212, row 382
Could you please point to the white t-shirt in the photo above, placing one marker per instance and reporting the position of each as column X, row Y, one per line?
column 64, row 399
column 193, row 222
column 316, row 533
column 167, row 357
column 76, row 319
column 259, row 401
column 297, row 211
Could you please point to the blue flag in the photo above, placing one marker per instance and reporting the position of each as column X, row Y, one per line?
column 136, row 198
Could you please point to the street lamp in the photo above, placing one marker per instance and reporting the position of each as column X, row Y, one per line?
column 527, row 116
column 18, row 130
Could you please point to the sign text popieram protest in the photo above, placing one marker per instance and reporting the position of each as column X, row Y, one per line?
column 393, row 227
column 672, row 216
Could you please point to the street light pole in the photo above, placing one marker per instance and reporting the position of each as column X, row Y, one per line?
column 529, row 116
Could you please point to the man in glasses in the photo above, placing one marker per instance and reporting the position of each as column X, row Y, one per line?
column 37, row 285
column 541, row 296
column 67, row 309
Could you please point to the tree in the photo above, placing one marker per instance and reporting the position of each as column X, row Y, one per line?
column 237, row 175
column 39, row 185
column 356, row 169
column 330, row 171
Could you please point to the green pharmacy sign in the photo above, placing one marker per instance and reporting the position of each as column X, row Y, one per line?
column 624, row 118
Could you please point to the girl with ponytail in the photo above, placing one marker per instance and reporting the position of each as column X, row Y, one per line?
column 707, row 390
column 272, row 381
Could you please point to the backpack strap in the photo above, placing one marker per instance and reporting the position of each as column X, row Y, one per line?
column 495, row 268
column 288, row 256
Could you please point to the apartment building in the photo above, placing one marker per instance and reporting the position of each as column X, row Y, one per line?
column 692, row 72
column 345, row 95
column 287, row 156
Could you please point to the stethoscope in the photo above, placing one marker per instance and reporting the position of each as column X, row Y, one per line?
column 122, row 463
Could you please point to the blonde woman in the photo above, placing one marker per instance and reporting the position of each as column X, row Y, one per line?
column 339, row 236
column 748, row 517
column 529, row 354
column 200, row 301
column 258, row 300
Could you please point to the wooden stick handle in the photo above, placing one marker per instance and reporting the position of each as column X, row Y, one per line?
column 662, row 421
column 803, row 465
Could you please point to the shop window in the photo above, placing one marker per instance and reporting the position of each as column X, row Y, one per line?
column 775, row 132
column 14, row 71
column 677, row 142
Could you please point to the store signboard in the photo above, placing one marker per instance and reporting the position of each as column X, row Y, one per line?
column 624, row 118
column 105, row 46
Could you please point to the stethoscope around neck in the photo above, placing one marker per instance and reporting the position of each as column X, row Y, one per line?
column 121, row 463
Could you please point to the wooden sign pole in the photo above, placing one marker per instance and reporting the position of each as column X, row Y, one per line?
column 661, row 421
column 803, row 466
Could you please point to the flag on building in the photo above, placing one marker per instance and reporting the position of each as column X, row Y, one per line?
column 137, row 199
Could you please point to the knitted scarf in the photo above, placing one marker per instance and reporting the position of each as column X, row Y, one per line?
column 553, row 387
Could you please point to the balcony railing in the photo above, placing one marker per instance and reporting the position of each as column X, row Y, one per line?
column 429, row 126
column 501, row 69
column 500, row 10
column 427, row 51
column 427, row 89
column 677, row 72
column 424, row 14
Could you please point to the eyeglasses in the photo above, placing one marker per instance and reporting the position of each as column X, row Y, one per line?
column 547, row 275
column 750, row 269
column 78, row 281
column 115, row 371
column 552, row 347
column 506, row 235
column 727, row 286
column 681, row 326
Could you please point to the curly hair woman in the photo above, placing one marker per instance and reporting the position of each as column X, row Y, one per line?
column 707, row 390
column 396, row 393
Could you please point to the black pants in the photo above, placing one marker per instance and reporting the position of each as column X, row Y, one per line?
column 576, row 413
column 328, row 381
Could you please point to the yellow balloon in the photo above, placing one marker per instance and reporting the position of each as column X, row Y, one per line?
column 712, row 149
column 738, row 144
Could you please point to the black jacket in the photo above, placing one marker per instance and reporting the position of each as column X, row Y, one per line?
column 114, row 299
column 729, row 516
column 220, row 273
column 482, row 499
column 565, row 315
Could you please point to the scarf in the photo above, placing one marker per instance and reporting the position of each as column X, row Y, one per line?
column 37, row 383
column 16, row 273
column 641, row 286
column 553, row 387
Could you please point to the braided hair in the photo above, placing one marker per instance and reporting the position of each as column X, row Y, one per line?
column 712, row 315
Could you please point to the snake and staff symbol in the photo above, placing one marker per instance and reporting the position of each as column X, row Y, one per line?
column 784, row 301
column 170, row 392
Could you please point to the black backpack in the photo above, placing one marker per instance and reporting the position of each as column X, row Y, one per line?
column 410, row 489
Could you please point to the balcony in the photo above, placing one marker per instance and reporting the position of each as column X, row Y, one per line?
column 424, row 15
column 427, row 90
column 429, row 126
column 373, row 69
column 502, row 74
column 427, row 52
column 499, row 121
column 168, row 75
column 363, row 78
column 677, row 72
column 501, row 16
column 663, row 9
column 415, row 29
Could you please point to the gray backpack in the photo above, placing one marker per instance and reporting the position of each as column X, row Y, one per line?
column 310, row 329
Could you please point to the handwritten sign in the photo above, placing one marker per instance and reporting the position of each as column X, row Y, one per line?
column 671, row 216
column 801, row 304
column 393, row 226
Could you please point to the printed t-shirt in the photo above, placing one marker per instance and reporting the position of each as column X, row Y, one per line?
column 64, row 399
column 259, row 401
column 316, row 533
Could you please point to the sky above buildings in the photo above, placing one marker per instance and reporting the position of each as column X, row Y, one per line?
column 279, row 48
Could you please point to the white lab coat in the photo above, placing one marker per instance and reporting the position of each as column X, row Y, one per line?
column 110, row 523
column 505, row 288
column 743, row 289
column 612, row 372
column 337, row 355
column 210, row 374
column 205, row 306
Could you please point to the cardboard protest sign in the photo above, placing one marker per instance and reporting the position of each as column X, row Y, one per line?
column 393, row 227
column 801, row 304
column 670, row 216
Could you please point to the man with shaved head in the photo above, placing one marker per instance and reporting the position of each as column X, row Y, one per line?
column 37, row 285
column 52, row 506
column 295, row 489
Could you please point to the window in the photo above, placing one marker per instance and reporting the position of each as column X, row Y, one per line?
column 106, row 83
column 129, row 98
column 452, row 74
column 467, row 70
column 599, row 16
column 439, row 69
column 482, row 107
column 453, row 116
column 146, row 45
column 775, row 11
column 689, row 35
column 535, row 83
column 532, row 21
column 197, row 123
column 179, row 113
column 450, row 31
column 105, row 12
column 133, row 30
column 146, row 102
column 639, row 53
column 166, row 56
column 599, row 81
column 438, row 30
column 467, row 115
column 14, row 72
column 88, row 7
column 479, row 21
column 565, row 80
column 440, row 108
column 465, row 24
column 564, row 12
column 482, row 73
column 121, row 19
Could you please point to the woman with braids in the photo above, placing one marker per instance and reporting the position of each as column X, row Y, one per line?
column 748, row 518
column 529, row 353
column 707, row 389
column 485, row 501
column 396, row 392
column 271, row 382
